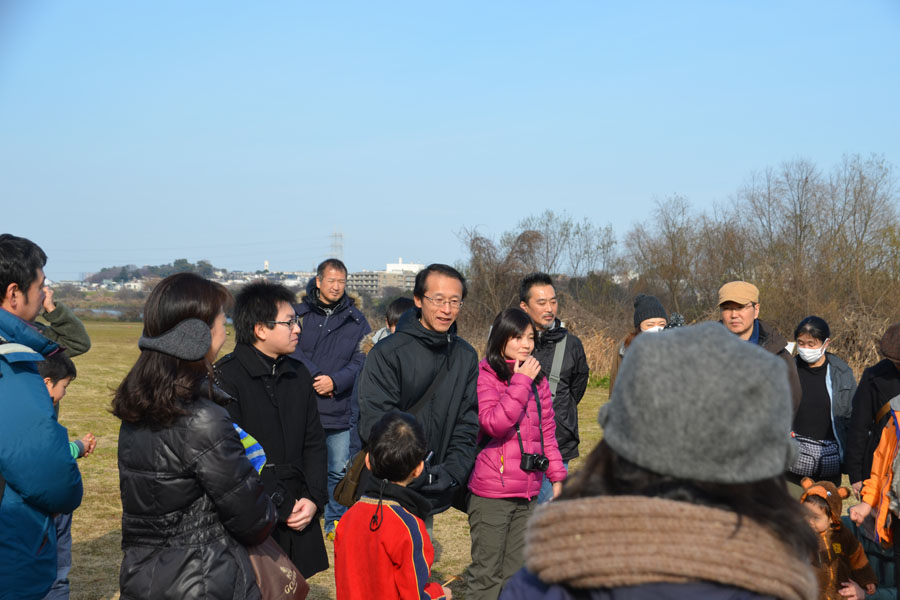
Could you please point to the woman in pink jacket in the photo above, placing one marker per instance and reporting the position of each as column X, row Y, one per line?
column 517, row 443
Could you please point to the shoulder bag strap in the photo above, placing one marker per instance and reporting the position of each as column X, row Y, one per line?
column 559, row 352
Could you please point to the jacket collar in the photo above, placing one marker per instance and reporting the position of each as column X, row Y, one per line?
column 15, row 330
column 256, row 363
column 310, row 301
column 552, row 335
column 219, row 396
column 770, row 339
column 410, row 325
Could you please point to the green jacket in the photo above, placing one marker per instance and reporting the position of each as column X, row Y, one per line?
column 65, row 329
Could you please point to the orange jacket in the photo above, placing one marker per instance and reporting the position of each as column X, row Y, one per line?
column 875, row 489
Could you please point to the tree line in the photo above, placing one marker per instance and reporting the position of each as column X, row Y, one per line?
column 814, row 241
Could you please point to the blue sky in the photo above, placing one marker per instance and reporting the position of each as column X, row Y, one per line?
column 238, row 132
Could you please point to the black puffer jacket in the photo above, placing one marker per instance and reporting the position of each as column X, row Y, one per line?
column 398, row 372
column 190, row 502
column 573, row 380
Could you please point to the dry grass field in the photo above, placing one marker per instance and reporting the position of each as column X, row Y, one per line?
column 96, row 528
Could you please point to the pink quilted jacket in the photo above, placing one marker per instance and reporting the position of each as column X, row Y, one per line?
column 497, row 473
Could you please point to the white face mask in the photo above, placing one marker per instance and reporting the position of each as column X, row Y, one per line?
column 654, row 329
column 812, row 355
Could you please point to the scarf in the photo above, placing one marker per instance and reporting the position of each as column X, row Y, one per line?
column 618, row 541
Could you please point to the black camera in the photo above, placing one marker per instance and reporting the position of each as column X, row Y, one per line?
column 534, row 462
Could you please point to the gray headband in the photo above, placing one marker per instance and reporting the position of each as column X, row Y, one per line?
column 189, row 340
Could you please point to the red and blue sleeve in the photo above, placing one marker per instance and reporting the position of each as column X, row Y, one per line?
column 412, row 554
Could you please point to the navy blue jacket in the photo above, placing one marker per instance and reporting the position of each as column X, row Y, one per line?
column 526, row 586
column 329, row 345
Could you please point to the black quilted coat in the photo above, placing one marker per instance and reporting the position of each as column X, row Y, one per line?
column 191, row 501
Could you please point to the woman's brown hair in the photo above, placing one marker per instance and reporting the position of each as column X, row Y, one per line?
column 158, row 385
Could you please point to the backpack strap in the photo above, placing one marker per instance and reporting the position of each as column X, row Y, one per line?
column 559, row 352
column 885, row 409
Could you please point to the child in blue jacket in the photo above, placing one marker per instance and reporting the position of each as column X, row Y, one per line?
column 58, row 371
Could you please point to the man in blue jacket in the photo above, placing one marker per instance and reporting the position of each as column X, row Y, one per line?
column 38, row 476
column 329, row 347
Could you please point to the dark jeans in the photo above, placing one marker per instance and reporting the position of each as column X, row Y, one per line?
column 337, row 442
column 60, row 589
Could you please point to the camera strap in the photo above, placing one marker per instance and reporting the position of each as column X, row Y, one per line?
column 537, row 400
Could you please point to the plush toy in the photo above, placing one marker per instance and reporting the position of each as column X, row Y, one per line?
column 840, row 557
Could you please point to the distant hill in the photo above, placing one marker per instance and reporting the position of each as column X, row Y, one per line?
column 129, row 272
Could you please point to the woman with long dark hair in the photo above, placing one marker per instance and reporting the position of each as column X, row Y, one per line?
column 518, row 440
column 685, row 496
column 190, row 498
column 823, row 416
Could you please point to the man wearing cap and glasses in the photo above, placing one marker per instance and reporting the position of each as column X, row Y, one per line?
column 739, row 308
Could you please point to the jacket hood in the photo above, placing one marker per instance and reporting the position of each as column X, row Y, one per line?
column 311, row 299
column 409, row 499
column 410, row 325
column 15, row 330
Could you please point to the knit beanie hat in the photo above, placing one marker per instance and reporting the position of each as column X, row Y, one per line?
column 698, row 403
column 648, row 307
column 890, row 343
column 832, row 494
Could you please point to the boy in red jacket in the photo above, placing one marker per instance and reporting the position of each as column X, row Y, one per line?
column 381, row 548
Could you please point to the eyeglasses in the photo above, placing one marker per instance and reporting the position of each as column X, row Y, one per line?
column 454, row 303
column 737, row 308
column 290, row 322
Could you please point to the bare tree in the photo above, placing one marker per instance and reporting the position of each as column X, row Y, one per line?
column 554, row 231
column 667, row 253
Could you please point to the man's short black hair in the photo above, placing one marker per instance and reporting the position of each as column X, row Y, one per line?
column 396, row 309
column 20, row 260
column 532, row 280
column 57, row 367
column 446, row 270
column 257, row 302
column 330, row 263
column 396, row 446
